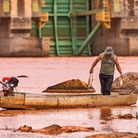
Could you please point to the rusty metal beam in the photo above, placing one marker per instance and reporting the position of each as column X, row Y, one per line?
column 85, row 13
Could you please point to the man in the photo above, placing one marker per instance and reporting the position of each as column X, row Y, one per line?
column 108, row 62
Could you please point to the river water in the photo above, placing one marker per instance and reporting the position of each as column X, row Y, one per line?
column 44, row 72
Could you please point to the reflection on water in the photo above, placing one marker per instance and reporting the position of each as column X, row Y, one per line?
column 74, row 117
column 105, row 113
column 44, row 72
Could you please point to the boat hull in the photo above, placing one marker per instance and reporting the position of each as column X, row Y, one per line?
column 48, row 101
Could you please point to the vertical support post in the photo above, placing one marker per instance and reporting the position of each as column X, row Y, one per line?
column 39, row 32
column 87, row 28
column 55, row 26
column 72, row 27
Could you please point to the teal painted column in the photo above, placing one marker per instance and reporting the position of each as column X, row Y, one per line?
column 88, row 39
column 39, row 32
column 88, row 28
column 55, row 27
column 72, row 28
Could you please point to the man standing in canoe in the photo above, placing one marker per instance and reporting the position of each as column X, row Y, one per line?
column 108, row 62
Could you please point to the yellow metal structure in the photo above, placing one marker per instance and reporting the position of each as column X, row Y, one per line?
column 44, row 16
column 43, row 3
column 102, row 10
column 105, row 16
column 43, row 19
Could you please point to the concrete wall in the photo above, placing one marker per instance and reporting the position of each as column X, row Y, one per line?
column 24, row 47
column 123, row 35
column 28, row 8
column 133, row 42
column 110, row 37
column 14, row 8
column 4, row 47
column 45, row 43
column 15, row 29
column 4, row 28
column 29, row 46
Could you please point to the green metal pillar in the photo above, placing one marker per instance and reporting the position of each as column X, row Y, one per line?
column 88, row 39
column 72, row 27
column 67, row 27
column 56, row 28
column 39, row 32
column 88, row 28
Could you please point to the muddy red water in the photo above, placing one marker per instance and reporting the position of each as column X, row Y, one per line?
column 44, row 72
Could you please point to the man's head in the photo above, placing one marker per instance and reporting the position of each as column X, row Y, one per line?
column 109, row 51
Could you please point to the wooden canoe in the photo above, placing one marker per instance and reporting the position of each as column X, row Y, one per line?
column 48, row 101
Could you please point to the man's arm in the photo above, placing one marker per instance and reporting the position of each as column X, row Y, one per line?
column 118, row 66
column 95, row 62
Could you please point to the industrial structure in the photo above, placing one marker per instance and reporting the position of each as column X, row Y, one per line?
column 16, row 25
column 68, row 27
column 123, row 34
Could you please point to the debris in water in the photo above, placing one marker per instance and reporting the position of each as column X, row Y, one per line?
column 22, row 76
column 55, row 129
